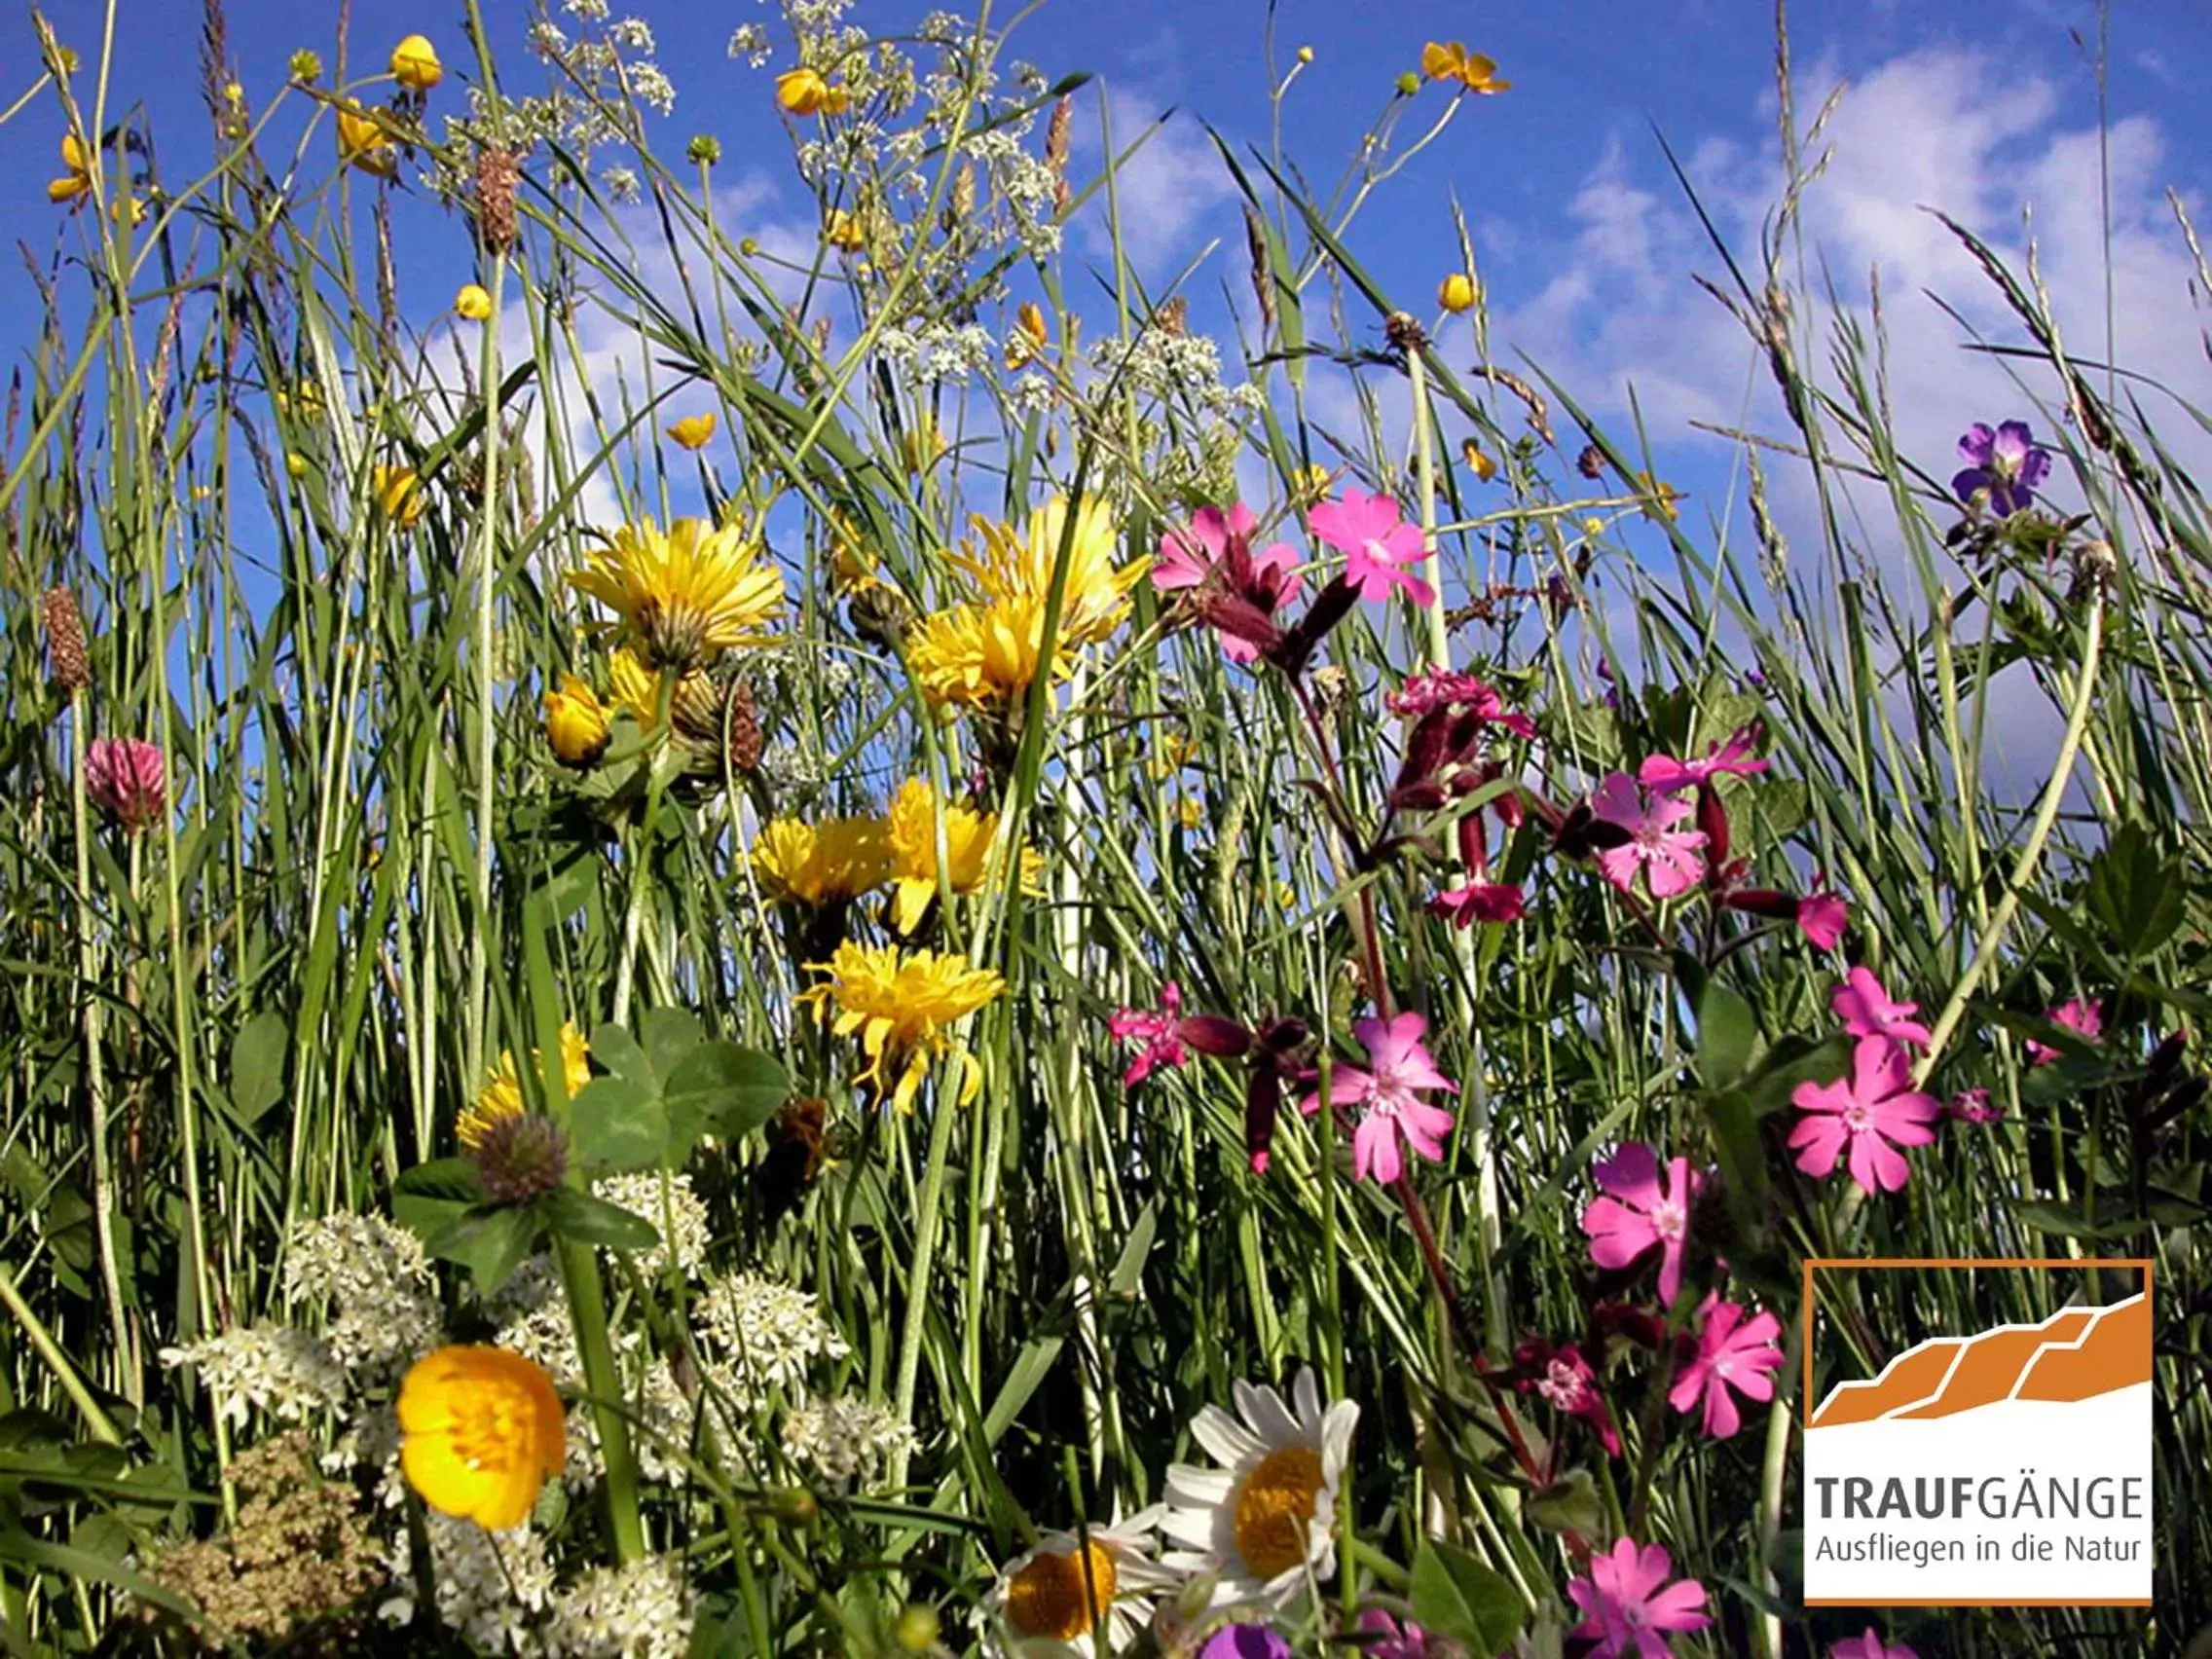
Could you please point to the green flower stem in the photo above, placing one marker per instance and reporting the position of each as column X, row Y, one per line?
column 603, row 1384
column 48, row 1350
column 486, row 725
column 916, row 1323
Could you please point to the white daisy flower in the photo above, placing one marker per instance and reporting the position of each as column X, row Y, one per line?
column 1047, row 1601
column 1266, row 1519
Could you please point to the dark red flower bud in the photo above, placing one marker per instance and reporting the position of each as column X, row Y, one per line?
column 1331, row 605
column 1763, row 902
column 1713, row 819
column 1211, row 1034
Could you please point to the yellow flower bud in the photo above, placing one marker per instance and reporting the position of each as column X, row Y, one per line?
column 1408, row 84
column 693, row 431
column 295, row 463
column 1457, row 292
column 414, row 64
column 363, row 144
column 804, row 92
column 473, row 303
column 1305, row 55
column 575, row 722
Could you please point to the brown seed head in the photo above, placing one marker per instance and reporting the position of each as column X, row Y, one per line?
column 66, row 657
column 498, row 172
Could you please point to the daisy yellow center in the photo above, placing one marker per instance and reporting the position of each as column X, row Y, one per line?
column 1275, row 1507
column 1059, row 1597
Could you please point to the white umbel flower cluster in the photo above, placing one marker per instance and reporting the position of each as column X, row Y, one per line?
column 767, row 1334
column 287, row 1374
column 374, row 1284
column 845, row 1441
column 676, row 1212
column 492, row 1586
column 639, row 1612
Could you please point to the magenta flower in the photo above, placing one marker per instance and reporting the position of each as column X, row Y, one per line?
column 1167, row 1033
column 1871, row 1114
column 1445, row 688
column 1866, row 1011
column 1245, row 1642
column 1639, row 1212
column 1822, row 918
column 1377, row 544
column 2009, row 463
column 1733, row 1353
column 1233, row 590
column 1389, row 1094
column 1392, row 1639
column 2085, row 1019
column 1669, row 776
column 125, row 777
column 1669, row 857
column 1564, row 1380
column 1479, row 902
column 1869, row 1646
column 1972, row 1106
column 1628, row 1607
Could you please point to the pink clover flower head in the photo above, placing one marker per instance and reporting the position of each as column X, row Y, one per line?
column 2009, row 463
column 1480, row 901
column 2085, row 1019
column 1639, row 1212
column 1669, row 776
column 1669, row 857
column 1446, row 688
column 1866, row 1011
column 1159, row 1030
column 1869, row 1646
column 1822, row 918
column 1734, row 1355
column 1869, row 1115
column 1377, row 544
column 126, row 778
column 1629, row 1608
column 1388, row 1092
column 1972, row 1106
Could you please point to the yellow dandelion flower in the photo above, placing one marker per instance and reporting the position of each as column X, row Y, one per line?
column 691, row 591
column 900, row 1006
column 482, row 1431
column 399, row 495
column 636, row 687
column 912, row 827
column 693, row 431
column 820, row 864
column 363, row 141
column 501, row 1098
column 575, row 722
column 1449, row 61
column 806, row 91
column 474, row 303
column 1457, row 292
column 76, row 180
column 1096, row 597
column 414, row 64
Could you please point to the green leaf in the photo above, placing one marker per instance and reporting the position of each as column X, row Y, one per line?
column 257, row 1065
column 615, row 1124
column 1570, row 1504
column 1743, row 1162
column 613, row 1048
column 578, row 1216
column 1727, row 1035
column 2134, row 892
column 489, row 1242
column 2064, row 1223
column 1793, row 1061
column 724, row 1089
column 1457, row 1596
column 668, row 1034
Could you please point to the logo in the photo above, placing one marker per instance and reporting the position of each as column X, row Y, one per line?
column 2006, row 1465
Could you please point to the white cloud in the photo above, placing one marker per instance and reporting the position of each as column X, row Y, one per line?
column 1167, row 188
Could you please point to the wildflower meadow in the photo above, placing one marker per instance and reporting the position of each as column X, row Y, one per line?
column 984, row 950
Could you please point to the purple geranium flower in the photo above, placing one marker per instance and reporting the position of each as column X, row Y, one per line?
column 2007, row 463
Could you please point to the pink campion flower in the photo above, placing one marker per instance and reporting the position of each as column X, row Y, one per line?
column 1641, row 1213
column 1234, row 591
column 1972, row 1106
column 1377, row 544
column 1869, row 1113
column 1563, row 1379
column 1734, row 1355
column 1669, row 776
column 1822, row 918
column 1866, row 1011
column 1155, row 1029
column 1390, row 1639
column 1669, row 857
column 2085, row 1019
column 1436, row 688
column 1628, row 1607
column 126, row 776
column 1479, row 902
column 1869, row 1646
column 1387, row 1091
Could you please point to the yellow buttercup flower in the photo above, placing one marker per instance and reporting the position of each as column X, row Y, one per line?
column 1479, row 464
column 846, row 231
column 820, row 864
column 481, row 1432
column 501, row 1098
column 474, row 303
column 127, row 210
column 691, row 591
column 399, row 495
column 911, row 827
column 1030, row 335
column 804, row 92
column 414, row 64
column 1457, row 292
column 900, row 1006
column 636, row 687
column 693, row 431
column 1449, row 61
column 363, row 141
column 76, row 180
column 575, row 722
column 1663, row 495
